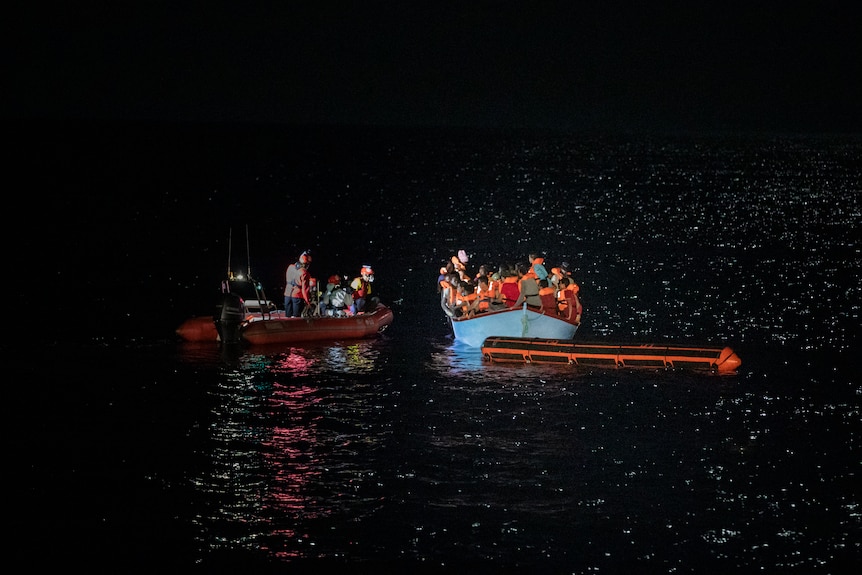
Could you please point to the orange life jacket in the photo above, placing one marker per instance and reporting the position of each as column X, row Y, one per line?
column 487, row 293
column 450, row 291
column 466, row 300
column 486, row 296
column 570, row 305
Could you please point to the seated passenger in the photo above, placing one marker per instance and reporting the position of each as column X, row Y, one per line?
column 361, row 286
column 509, row 288
column 331, row 284
column 494, row 288
column 467, row 299
column 488, row 296
column 554, row 278
column 483, row 272
column 312, row 309
column 548, row 295
column 568, row 300
column 336, row 300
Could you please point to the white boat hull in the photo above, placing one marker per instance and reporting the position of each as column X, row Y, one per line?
column 511, row 322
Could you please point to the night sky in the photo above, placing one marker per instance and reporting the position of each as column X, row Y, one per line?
column 630, row 66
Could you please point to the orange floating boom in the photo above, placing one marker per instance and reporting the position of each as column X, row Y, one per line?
column 722, row 360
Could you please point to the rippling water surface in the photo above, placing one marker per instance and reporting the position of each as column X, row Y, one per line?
column 410, row 451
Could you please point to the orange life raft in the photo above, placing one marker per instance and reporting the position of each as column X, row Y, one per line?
column 722, row 360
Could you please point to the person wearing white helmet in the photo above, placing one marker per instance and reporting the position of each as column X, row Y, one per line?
column 362, row 289
column 297, row 289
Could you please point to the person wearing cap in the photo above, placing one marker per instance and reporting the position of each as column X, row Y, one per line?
column 297, row 288
column 362, row 288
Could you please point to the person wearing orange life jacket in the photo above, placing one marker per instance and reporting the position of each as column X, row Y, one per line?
column 566, row 271
column 494, row 284
column 548, row 295
column 537, row 267
column 449, row 286
column 567, row 298
column 297, row 288
column 554, row 278
column 362, row 290
column 528, row 287
column 459, row 266
column 468, row 298
column 444, row 271
column 486, row 295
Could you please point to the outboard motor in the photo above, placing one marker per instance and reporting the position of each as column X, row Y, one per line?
column 229, row 316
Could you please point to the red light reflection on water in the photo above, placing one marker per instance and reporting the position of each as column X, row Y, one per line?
column 272, row 468
column 291, row 455
column 293, row 362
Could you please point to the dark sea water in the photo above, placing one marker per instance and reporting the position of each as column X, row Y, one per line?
column 131, row 451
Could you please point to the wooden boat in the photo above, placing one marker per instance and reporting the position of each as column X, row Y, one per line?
column 721, row 360
column 525, row 321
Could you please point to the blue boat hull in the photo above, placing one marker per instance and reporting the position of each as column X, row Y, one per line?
column 511, row 322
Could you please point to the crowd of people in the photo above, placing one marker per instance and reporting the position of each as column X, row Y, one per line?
column 511, row 285
column 462, row 293
column 303, row 297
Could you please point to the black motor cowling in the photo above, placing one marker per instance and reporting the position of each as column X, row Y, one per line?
column 229, row 316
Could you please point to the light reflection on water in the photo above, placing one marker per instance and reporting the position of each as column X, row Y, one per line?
column 290, row 447
column 307, row 448
column 359, row 452
column 415, row 448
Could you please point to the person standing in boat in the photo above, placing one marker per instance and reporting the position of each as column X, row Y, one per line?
column 362, row 289
column 528, row 287
column 537, row 267
column 297, row 289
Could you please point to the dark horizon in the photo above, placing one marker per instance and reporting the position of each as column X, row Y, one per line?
column 492, row 65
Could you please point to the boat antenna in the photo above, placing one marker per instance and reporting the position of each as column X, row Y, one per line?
column 229, row 247
column 248, row 251
column 225, row 284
